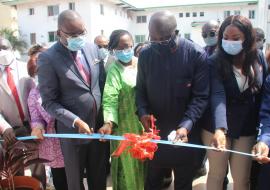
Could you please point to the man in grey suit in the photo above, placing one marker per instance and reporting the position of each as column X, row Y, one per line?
column 68, row 75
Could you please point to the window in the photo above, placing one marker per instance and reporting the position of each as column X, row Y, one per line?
column 53, row 10
column 194, row 14
column 101, row 9
column 201, row 14
column 187, row 14
column 251, row 14
column 52, row 36
column 237, row 12
column 187, row 36
column 33, row 39
column 139, row 38
column 227, row 14
column 268, row 6
column 181, row 15
column 31, row 11
column 71, row 6
column 141, row 19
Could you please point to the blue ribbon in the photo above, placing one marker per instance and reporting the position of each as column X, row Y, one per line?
column 120, row 138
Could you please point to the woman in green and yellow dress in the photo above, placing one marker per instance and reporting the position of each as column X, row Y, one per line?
column 119, row 110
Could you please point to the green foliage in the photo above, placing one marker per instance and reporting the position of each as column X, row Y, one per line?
column 16, row 43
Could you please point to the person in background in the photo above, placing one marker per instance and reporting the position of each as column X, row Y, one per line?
column 103, row 54
column 33, row 53
column 102, row 43
column 41, row 122
column 173, row 86
column 209, row 34
column 15, row 85
column 138, row 48
column 68, row 79
column 237, row 74
column 119, row 110
column 260, row 38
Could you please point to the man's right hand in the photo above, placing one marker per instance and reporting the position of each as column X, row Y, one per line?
column 146, row 122
column 9, row 136
column 83, row 127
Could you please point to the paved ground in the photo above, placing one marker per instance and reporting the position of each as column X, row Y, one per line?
column 198, row 184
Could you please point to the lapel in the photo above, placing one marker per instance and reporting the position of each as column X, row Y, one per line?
column 69, row 62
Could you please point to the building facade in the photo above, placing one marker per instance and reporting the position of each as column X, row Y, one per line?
column 37, row 19
column 8, row 15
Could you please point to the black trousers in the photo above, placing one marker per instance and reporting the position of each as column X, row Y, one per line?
column 183, row 177
column 89, row 157
column 59, row 178
column 264, row 177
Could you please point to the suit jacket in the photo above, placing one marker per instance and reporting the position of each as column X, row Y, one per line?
column 231, row 109
column 264, row 134
column 65, row 95
column 9, row 114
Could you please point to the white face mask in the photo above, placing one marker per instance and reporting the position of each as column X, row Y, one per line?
column 232, row 47
column 6, row 57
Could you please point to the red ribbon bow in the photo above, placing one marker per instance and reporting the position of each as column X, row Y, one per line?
column 139, row 146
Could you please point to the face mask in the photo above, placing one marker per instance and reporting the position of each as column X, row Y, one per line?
column 103, row 53
column 259, row 44
column 6, row 57
column 210, row 41
column 124, row 56
column 76, row 43
column 232, row 47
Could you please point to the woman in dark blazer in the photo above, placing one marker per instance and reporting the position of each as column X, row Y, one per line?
column 237, row 73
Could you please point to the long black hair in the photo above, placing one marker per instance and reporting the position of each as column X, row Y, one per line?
column 115, row 37
column 249, row 49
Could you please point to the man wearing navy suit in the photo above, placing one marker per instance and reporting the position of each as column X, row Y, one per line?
column 173, row 85
column 68, row 75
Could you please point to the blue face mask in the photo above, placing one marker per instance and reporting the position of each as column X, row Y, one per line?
column 232, row 47
column 76, row 43
column 125, row 55
column 103, row 53
column 210, row 41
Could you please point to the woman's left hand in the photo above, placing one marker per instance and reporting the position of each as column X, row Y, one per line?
column 219, row 139
column 106, row 129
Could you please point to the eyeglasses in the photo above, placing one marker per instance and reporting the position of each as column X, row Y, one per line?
column 70, row 35
column 102, row 46
column 210, row 34
column 126, row 50
column 164, row 42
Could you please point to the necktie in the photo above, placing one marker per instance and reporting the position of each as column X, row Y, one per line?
column 12, row 86
column 84, row 73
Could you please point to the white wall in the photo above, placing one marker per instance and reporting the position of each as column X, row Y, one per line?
column 40, row 23
column 184, row 24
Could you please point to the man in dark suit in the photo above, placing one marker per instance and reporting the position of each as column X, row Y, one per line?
column 172, row 84
column 68, row 75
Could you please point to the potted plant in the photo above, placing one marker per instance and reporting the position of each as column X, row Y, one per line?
column 14, row 159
